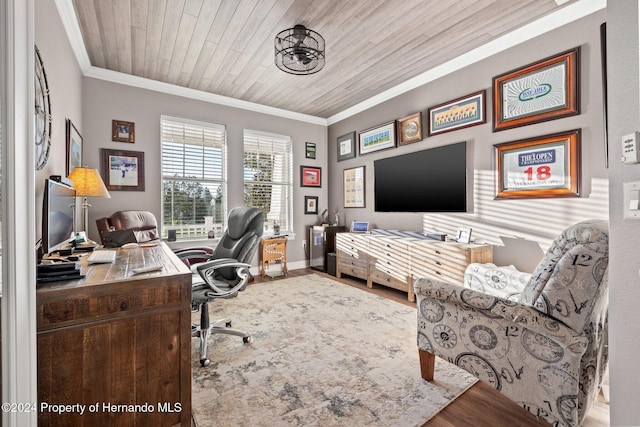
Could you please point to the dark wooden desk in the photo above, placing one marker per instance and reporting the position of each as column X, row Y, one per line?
column 114, row 338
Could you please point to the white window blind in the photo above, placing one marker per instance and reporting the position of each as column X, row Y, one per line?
column 268, row 177
column 193, row 177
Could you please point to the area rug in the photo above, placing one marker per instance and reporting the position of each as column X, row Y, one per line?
column 323, row 354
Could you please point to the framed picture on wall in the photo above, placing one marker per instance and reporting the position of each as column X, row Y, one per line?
column 122, row 131
column 545, row 90
column 347, row 146
column 309, row 150
column 470, row 110
column 354, row 187
column 377, row 138
column 74, row 147
column 410, row 129
column 310, row 205
column 541, row 167
column 123, row 170
column 310, row 176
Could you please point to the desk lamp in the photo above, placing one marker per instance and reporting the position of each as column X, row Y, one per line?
column 87, row 183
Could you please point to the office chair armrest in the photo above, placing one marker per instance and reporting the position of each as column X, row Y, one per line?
column 207, row 269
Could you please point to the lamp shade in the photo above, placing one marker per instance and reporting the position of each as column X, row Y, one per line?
column 88, row 183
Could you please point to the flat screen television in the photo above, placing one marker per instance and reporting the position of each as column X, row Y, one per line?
column 58, row 215
column 433, row 180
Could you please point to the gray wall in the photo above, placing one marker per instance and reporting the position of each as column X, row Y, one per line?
column 624, row 118
column 65, row 83
column 105, row 101
column 520, row 229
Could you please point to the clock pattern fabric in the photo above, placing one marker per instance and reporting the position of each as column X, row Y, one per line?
column 541, row 339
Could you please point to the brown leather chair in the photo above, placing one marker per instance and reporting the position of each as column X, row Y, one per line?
column 143, row 224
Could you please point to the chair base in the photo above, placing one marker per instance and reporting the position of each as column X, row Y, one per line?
column 427, row 364
column 221, row 326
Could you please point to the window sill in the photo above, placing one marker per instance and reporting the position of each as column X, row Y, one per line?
column 192, row 241
column 269, row 235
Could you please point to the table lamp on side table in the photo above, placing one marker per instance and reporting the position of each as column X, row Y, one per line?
column 87, row 183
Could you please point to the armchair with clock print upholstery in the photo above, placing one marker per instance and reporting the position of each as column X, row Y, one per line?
column 544, row 345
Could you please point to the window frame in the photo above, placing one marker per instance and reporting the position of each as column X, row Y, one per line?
column 195, row 231
column 287, row 183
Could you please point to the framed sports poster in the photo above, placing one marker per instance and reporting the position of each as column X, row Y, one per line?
column 547, row 166
column 546, row 90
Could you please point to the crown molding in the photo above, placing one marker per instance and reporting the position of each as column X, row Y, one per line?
column 171, row 89
column 71, row 26
column 550, row 22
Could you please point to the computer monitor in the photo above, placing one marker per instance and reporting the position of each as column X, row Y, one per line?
column 359, row 227
column 58, row 215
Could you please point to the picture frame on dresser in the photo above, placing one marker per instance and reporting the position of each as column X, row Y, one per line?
column 544, row 90
column 463, row 235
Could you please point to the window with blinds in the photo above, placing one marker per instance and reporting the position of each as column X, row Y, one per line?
column 268, row 177
column 193, row 177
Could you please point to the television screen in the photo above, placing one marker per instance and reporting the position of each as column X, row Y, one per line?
column 58, row 215
column 433, row 180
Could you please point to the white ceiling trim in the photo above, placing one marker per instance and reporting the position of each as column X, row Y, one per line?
column 171, row 89
column 71, row 26
column 550, row 22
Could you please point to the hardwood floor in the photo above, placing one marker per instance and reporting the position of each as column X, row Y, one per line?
column 479, row 406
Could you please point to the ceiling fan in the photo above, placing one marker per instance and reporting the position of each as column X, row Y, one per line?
column 299, row 50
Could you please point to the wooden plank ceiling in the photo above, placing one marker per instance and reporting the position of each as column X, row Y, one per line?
column 226, row 47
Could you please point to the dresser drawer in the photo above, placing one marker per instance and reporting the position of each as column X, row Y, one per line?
column 391, row 281
column 346, row 261
column 352, row 269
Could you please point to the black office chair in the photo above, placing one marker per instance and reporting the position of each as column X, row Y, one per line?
column 225, row 274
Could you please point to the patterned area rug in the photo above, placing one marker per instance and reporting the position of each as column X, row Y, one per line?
column 323, row 354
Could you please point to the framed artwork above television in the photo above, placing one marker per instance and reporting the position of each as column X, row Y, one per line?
column 545, row 90
column 378, row 138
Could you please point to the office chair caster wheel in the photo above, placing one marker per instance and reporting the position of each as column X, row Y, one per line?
column 228, row 324
column 246, row 340
column 205, row 362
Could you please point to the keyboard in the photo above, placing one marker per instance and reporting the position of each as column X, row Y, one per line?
column 102, row 257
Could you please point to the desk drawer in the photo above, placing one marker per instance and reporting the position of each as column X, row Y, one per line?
column 83, row 308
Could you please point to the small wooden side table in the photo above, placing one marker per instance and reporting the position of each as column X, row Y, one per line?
column 274, row 251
